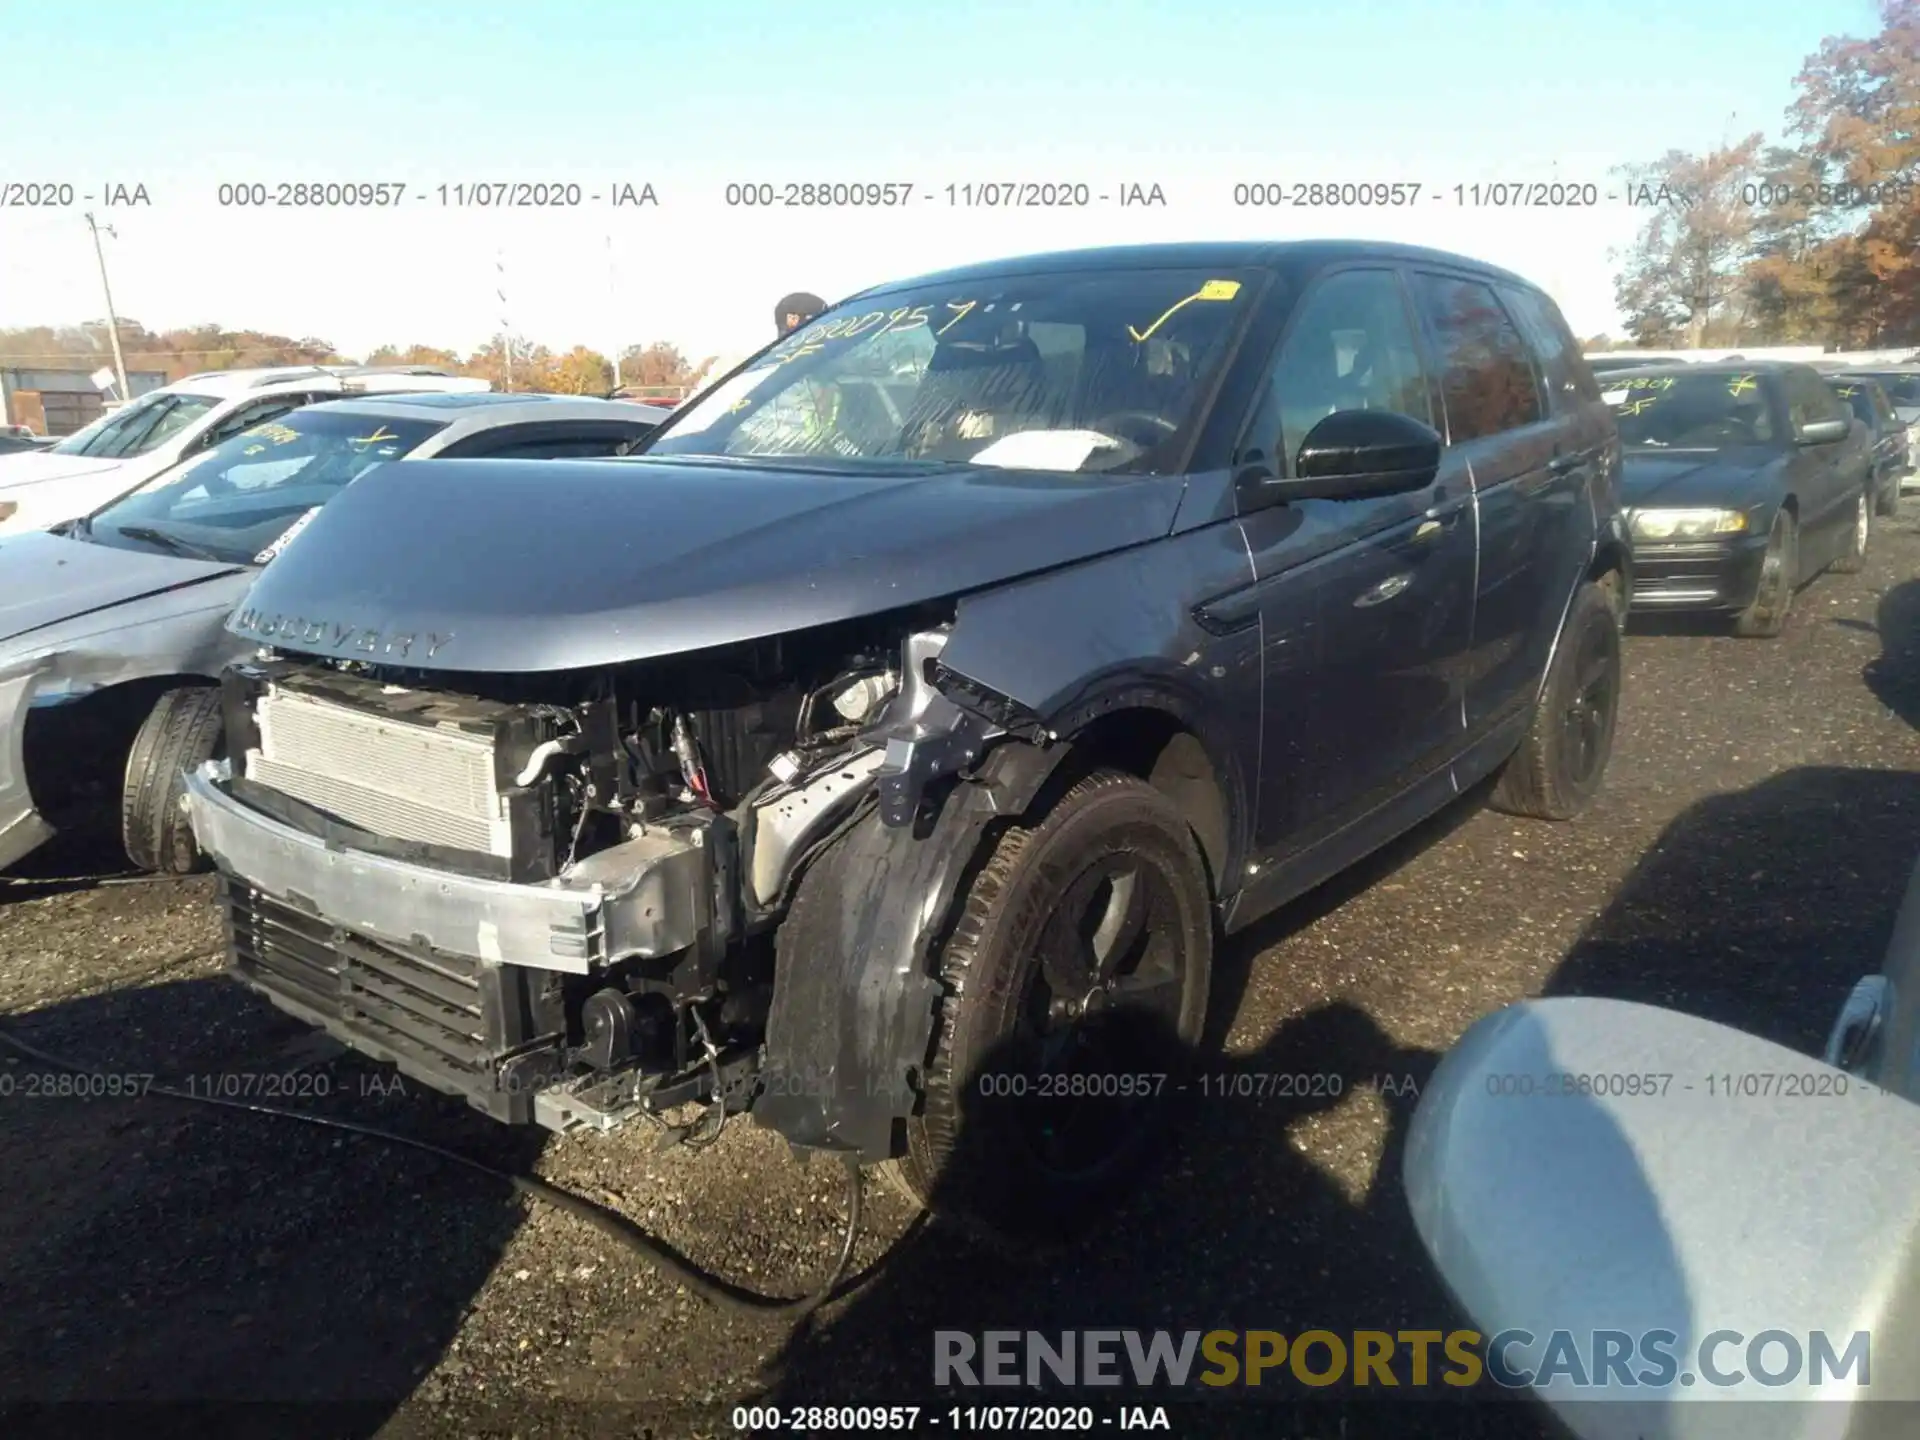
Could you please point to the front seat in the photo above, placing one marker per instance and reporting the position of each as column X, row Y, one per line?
column 973, row 393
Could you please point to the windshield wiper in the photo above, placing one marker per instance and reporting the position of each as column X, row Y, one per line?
column 169, row 542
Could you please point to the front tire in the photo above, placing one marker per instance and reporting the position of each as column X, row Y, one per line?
column 1766, row 614
column 1076, row 983
column 1557, row 770
column 183, row 730
column 1887, row 504
column 1854, row 558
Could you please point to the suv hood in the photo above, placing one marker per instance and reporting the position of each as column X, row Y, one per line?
column 1700, row 477
column 45, row 579
column 515, row 566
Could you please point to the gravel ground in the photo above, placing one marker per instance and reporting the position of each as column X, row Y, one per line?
column 1761, row 812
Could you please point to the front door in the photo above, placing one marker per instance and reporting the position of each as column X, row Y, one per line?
column 1365, row 605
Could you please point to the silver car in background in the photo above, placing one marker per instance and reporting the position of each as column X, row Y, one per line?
column 112, row 626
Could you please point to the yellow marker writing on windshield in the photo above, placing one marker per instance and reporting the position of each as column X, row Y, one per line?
column 1743, row 385
column 1634, row 407
column 380, row 434
column 1212, row 290
column 965, row 308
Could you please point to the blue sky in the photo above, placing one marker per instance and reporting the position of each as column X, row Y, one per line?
column 1193, row 96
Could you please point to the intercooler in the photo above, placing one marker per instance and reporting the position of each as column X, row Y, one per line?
column 427, row 783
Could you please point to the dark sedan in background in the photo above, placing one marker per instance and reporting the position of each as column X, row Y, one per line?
column 1902, row 384
column 1873, row 408
column 1742, row 482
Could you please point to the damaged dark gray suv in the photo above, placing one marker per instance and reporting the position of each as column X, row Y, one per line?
column 884, row 750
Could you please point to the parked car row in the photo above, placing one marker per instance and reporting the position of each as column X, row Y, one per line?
column 132, row 443
column 111, row 623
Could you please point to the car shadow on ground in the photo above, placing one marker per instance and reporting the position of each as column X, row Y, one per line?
column 1234, row 1229
column 1894, row 675
column 163, row 1258
column 1757, row 909
column 66, row 864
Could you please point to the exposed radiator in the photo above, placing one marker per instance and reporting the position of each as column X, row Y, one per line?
column 406, row 782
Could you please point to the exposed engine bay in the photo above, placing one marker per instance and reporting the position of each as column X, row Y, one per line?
column 674, row 802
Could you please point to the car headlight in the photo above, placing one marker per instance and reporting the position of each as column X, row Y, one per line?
column 1687, row 524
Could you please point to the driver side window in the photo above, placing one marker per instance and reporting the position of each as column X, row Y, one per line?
column 1351, row 347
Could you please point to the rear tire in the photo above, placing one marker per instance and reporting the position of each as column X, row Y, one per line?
column 1887, row 504
column 1766, row 615
column 183, row 731
column 1854, row 558
column 1031, row 1054
column 1557, row 770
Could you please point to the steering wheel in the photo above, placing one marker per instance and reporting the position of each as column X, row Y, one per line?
column 1158, row 427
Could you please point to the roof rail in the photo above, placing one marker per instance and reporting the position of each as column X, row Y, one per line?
column 294, row 372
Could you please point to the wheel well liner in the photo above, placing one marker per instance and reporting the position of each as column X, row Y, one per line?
column 855, row 992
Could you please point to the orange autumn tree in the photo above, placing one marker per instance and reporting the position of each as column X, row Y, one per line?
column 1858, row 116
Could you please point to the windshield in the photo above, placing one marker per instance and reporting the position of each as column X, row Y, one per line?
column 138, row 427
column 1698, row 411
column 238, row 498
column 1862, row 401
column 1101, row 370
column 1903, row 390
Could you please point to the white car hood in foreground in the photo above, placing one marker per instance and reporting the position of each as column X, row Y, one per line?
column 45, row 488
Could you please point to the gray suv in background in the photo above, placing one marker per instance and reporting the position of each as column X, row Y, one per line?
column 883, row 749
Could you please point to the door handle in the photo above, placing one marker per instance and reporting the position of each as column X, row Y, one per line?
column 1384, row 591
column 1561, row 464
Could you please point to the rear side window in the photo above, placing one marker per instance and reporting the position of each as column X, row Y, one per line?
column 1487, row 375
column 1570, row 381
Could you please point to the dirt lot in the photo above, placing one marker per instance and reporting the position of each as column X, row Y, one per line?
column 1760, row 816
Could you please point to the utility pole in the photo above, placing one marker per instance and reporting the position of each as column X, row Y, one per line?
column 506, row 328
column 113, row 320
column 612, row 301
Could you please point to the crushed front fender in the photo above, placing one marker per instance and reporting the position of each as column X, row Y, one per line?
column 853, row 1012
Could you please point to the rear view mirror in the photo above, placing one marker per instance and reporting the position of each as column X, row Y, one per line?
column 1823, row 432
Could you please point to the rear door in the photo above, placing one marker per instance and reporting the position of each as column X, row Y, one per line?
column 1529, row 463
column 1826, row 477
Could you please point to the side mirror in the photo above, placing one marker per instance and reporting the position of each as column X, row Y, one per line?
column 1351, row 454
column 1823, row 432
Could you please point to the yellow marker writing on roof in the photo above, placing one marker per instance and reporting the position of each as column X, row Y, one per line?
column 1743, row 385
column 1212, row 290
